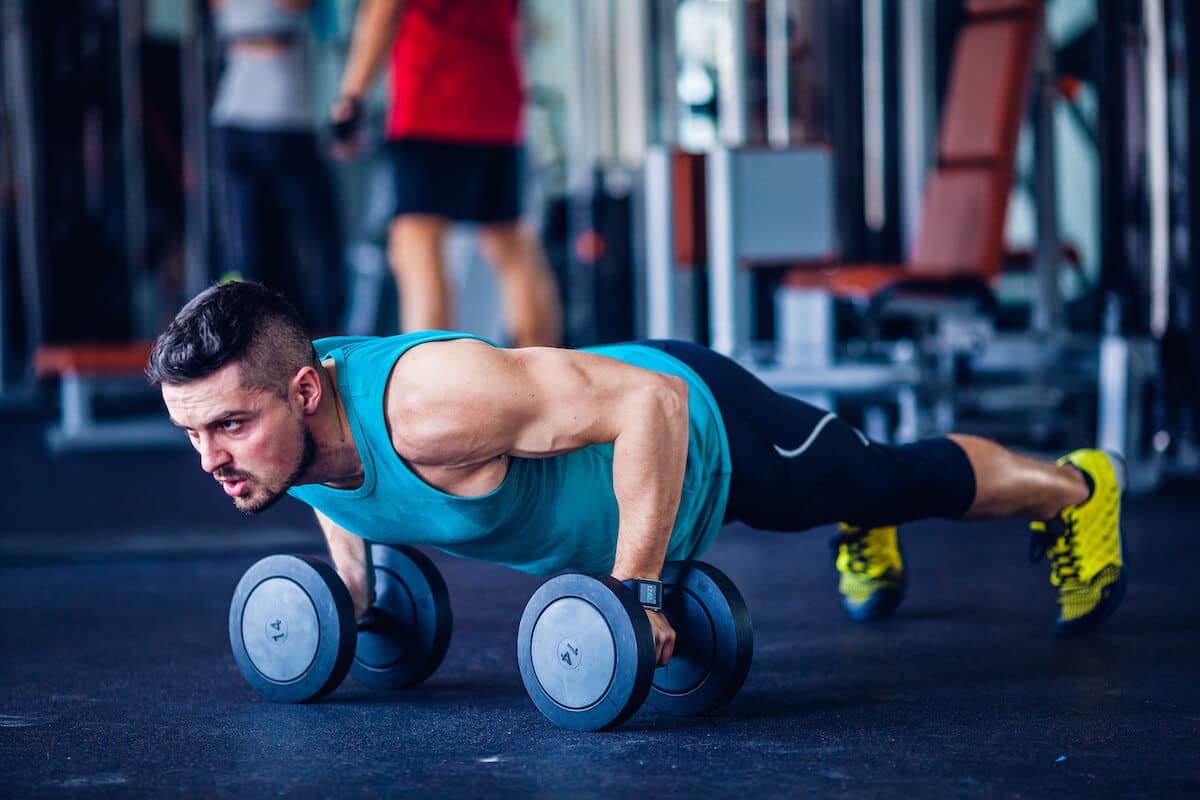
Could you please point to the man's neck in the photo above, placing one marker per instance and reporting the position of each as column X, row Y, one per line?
column 338, row 463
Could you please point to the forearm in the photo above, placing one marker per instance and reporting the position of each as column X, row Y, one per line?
column 374, row 27
column 649, row 458
column 351, row 556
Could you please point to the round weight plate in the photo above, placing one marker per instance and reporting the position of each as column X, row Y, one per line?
column 585, row 651
column 573, row 653
column 280, row 629
column 714, row 640
column 291, row 627
column 412, row 624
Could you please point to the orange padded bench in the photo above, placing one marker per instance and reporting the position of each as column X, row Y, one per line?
column 960, row 240
column 118, row 359
column 80, row 369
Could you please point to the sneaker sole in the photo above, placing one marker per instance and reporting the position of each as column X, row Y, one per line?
column 1087, row 624
column 881, row 605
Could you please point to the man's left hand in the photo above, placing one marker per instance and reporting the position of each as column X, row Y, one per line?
column 664, row 637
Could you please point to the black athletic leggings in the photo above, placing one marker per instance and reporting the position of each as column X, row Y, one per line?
column 796, row 466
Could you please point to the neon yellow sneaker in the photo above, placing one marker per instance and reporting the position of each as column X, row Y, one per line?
column 872, row 571
column 1084, row 544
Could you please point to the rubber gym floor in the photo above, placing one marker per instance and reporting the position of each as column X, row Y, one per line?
column 116, row 572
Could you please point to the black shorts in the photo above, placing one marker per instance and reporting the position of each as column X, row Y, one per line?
column 796, row 466
column 457, row 180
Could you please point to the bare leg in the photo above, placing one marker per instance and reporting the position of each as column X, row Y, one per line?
column 532, row 311
column 415, row 253
column 1007, row 483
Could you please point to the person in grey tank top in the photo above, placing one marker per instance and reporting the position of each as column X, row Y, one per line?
column 277, row 215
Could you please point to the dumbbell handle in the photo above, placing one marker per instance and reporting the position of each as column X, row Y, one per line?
column 376, row 620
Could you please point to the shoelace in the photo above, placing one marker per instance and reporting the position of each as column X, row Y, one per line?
column 857, row 544
column 1056, row 537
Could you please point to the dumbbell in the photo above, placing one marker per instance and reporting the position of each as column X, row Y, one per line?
column 294, row 637
column 586, row 650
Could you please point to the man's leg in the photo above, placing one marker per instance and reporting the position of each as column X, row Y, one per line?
column 240, row 217
column 416, row 255
column 796, row 466
column 529, row 294
column 1009, row 484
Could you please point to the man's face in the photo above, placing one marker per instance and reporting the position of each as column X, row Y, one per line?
column 252, row 441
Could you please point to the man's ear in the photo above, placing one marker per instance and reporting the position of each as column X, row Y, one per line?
column 306, row 387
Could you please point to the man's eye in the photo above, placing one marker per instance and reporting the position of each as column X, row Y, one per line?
column 231, row 424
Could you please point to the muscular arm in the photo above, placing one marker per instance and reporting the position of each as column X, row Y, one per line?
column 374, row 27
column 352, row 558
column 463, row 403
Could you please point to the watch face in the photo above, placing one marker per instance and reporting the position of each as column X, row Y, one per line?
column 648, row 594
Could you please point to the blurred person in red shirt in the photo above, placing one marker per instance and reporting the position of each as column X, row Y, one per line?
column 454, row 134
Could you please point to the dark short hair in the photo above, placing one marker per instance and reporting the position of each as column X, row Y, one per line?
column 235, row 321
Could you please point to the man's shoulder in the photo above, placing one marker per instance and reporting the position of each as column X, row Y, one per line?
column 441, row 361
column 426, row 379
column 429, row 382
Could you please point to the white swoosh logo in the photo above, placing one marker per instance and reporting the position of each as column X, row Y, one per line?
column 812, row 437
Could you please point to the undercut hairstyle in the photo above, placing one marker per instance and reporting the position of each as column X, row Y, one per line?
column 233, row 322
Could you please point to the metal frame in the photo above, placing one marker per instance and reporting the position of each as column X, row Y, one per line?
column 197, row 209
column 79, row 429
column 659, row 310
column 130, row 23
column 917, row 119
column 1158, row 154
column 779, row 117
column 20, row 100
column 1047, row 314
column 659, row 202
column 731, row 83
column 728, row 287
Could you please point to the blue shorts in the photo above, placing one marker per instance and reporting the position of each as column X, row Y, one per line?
column 796, row 466
column 460, row 181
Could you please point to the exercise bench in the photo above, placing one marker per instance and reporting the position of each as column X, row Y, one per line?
column 81, row 369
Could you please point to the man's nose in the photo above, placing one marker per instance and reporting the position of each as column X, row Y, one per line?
column 212, row 455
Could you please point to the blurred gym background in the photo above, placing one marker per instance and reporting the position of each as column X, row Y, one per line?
column 931, row 215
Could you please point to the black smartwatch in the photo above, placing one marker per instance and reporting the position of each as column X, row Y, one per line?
column 649, row 593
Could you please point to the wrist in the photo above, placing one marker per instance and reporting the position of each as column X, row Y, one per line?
column 623, row 572
column 649, row 593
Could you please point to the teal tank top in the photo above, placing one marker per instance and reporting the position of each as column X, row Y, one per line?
column 549, row 514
